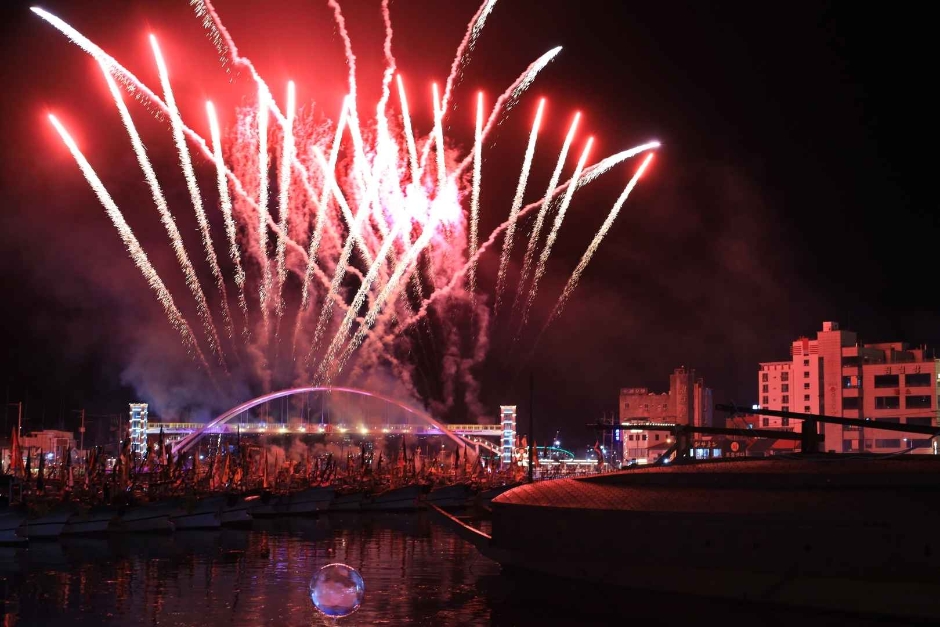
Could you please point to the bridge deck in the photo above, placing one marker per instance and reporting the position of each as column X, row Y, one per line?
column 176, row 428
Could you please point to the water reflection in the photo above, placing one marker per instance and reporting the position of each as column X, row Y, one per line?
column 415, row 572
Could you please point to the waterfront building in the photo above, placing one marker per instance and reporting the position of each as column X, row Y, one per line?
column 54, row 444
column 836, row 375
column 138, row 428
column 688, row 402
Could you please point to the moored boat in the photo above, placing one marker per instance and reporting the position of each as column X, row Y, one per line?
column 347, row 501
column 147, row 517
column 197, row 513
column 45, row 526
column 404, row 499
column 93, row 520
column 829, row 531
column 309, row 501
column 235, row 511
column 10, row 520
column 453, row 496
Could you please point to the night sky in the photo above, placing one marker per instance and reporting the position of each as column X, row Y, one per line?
column 790, row 188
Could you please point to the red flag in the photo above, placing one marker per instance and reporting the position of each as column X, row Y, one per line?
column 600, row 454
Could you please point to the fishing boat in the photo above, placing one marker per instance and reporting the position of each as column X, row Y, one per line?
column 347, row 501
column 93, row 520
column 197, row 513
column 295, row 503
column 147, row 517
column 10, row 520
column 404, row 499
column 45, row 525
column 309, row 501
column 453, row 496
column 235, row 510
column 825, row 531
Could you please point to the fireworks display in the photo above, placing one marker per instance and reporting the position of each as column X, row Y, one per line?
column 344, row 238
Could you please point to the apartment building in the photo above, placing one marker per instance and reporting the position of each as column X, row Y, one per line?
column 836, row 375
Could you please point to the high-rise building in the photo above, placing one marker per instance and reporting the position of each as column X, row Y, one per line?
column 507, row 415
column 138, row 428
column 835, row 375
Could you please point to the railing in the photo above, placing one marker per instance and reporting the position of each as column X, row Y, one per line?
column 809, row 436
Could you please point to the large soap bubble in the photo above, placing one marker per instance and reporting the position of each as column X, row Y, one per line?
column 337, row 590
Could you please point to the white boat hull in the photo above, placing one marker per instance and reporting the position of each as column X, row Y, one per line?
column 146, row 518
column 404, row 499
column 197, row 520
column 78, row 526
column 347, row 502
column 205, row 513
column 9, row 523
column 308, row 501
column 44, row 527
column 236, row 514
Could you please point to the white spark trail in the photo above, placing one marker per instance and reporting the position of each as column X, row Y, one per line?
column 409, row 133
column 225, row 202
column 134, row 248
column 592, row 247
column 509, row 97
column 343, row 332
column 287, row 154
column 339, row 272
column 390, row 287
column 543, row 210
column 514, row 210
column 176, row 123
column 439, row 139
column 461, row 58
column 590, row 174
column 265, row 286
column 318, row 225
column 139, row 89
column 166, row 217
column 475, row 192
column 553, row 234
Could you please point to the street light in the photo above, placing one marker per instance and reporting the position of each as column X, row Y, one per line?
column 19, row 417
column 81, row 430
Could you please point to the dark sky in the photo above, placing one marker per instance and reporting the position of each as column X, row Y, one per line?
column 790, row 188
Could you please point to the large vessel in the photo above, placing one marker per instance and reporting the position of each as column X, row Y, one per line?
column 826, row 531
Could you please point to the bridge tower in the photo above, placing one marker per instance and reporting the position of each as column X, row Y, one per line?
column 508, row 439
column 138, row 428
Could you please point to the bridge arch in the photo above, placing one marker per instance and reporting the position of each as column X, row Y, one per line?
column 187, row 442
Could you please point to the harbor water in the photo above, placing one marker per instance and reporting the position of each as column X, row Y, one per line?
column 415, row 571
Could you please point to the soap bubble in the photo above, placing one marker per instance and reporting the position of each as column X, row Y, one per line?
column 337, row 590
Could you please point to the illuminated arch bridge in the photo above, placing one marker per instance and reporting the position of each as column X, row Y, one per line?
column 333, row 410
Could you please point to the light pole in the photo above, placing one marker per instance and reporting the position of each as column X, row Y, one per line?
column 81, row 430
column 19, row 417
